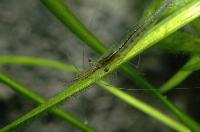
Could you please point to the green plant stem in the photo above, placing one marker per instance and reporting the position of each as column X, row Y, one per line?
column 158, row 32
column 131, row 100
column 39, row 100
column 63, row 13
column 176, row 79
column 22, row 60
column 32, row 61
column 149, row 110
column 181, row 75
column 37, row 62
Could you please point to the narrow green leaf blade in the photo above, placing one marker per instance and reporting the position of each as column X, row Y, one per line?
column 149, row 110
column 22, row 60
column 62, row 12
column 5, row 79
column 193, row 64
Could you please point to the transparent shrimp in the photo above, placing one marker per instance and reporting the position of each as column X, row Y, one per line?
column 133, row 37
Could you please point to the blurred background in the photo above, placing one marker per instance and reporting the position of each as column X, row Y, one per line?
column 27, row 28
